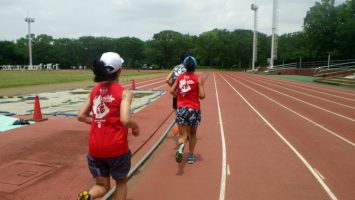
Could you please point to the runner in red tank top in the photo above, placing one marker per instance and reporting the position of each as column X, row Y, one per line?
column 189, row 89
column 110, row 105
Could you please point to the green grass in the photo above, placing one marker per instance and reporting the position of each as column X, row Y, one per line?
column 26, row 78
column 308, row 79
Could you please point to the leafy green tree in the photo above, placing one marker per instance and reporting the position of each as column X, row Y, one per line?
column 345, row 37
column 131, row 49
column 208, row 45
column 293, row 46
column 42, row 49
column 165, row 47
column 10, row 54
column 320, row 26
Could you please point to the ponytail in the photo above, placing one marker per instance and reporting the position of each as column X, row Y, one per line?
column 100, row 72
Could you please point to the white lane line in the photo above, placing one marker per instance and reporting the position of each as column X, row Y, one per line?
column 222, row 190
column 150, row 84
column 228, row 170
column 319, row 174
column 293, row 90
column 323, row 88
column 305, row 162
column 140, row 82
column 298, row 114
column 303, row 88
column 165, row 85
column 320, row 108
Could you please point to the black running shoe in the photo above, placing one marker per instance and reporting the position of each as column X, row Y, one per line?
column 179, row 153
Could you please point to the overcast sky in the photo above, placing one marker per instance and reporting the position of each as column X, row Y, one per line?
column 144, row 18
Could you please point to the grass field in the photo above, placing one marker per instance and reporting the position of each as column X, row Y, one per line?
column 25, row 78
column 308, row 79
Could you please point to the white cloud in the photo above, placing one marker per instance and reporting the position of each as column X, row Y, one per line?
column 143, row 18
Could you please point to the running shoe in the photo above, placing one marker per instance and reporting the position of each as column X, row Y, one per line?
column 84, row 195
column 190, row 159
column 179, row 153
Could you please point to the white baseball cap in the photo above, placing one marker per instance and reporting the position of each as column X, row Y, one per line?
column 113, row 61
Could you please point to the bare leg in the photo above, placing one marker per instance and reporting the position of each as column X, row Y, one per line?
column 101, row 188
column 183, row 132
column 121, row 189
column 193, row 140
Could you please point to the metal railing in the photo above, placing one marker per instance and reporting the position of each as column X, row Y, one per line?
column 281, row 67
column 319, row 66
column 335, row 70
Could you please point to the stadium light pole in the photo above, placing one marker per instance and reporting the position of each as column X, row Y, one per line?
column 255, row 9
column 273, row 34
column 29, row 21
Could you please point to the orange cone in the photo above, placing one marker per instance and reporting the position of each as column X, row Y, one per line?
column 37, row 114
column 133, row 85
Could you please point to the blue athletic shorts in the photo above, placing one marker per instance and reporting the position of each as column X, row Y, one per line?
column 117, row 167
column 188, row 116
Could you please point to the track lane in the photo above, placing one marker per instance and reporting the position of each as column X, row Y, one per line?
column 323, row 151
column 335, row 122
column 323, row 88
column 163, row 178
column 340, row 98
column 46, row 138
column 347, row 109
column 256, row 170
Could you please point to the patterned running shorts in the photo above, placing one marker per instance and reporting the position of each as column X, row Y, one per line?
column 188, row 116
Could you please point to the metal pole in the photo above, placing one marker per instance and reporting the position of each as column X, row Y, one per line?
column 328, row 60
column 254, row 8
column 272, row 57
column 29, row 20
column 300, row 62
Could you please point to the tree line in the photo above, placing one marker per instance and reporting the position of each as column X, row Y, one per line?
column 328, row 29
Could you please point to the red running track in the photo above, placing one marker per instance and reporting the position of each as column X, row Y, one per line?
column 260, row 138
column 47, row 160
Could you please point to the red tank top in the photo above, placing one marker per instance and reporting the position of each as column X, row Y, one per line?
column 108, row 136
column 187, row 87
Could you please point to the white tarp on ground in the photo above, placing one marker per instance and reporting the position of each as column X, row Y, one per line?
column 6, row 123
column 67, row 102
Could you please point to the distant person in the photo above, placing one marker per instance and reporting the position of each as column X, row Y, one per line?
column 110, row 105
column 189, row 89
column 177, row 70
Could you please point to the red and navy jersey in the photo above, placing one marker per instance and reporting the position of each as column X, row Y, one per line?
column 187, row 88
column 108, row 136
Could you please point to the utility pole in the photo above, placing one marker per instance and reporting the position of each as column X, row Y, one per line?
column 29, row 21
column 255, row 9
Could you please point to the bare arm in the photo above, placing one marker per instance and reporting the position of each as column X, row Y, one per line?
column 169, row 79
column 125, row 115
column 201, row 88
column 83, row 115
column 173, row 89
